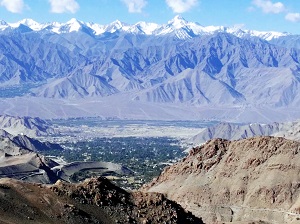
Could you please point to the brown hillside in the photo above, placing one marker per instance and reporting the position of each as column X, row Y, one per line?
column 256, row 179
column 93, row 201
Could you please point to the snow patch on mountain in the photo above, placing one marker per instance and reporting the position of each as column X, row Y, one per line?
column 29, row 23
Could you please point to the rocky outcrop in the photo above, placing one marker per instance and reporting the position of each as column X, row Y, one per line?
column 136, row 207
column 93, row 201
column 255, row 179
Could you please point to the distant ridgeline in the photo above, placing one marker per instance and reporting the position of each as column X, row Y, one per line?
column 230, row 131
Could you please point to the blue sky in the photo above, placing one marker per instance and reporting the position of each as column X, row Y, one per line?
column 263, row 15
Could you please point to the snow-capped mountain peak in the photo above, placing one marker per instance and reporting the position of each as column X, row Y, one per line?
column 146, row 28
column 74, row 25
column 97, row 28
column 178, row 22
column 267, row 35
column 73, row 21
column 114, row 26
column 29, row 23
column 118, row 24
column 178, row 27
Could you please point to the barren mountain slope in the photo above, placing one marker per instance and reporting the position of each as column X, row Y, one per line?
column 246, row 180
column 93, row 201
column 32, row 127
column 9, row 141
column 232, row 131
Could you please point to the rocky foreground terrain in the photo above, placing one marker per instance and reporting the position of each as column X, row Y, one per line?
column 93, row 201
column 249, row 180
column 27, row 198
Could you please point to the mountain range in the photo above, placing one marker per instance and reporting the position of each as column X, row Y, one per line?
column 176, row 65
column 178, row 25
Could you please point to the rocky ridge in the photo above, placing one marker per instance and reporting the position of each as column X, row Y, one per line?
column 255, row 179
column 93, row 201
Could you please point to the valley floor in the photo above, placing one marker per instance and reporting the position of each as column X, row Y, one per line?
column 122, row 107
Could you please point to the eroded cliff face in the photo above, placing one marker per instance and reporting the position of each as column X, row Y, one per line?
column 255, row 179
